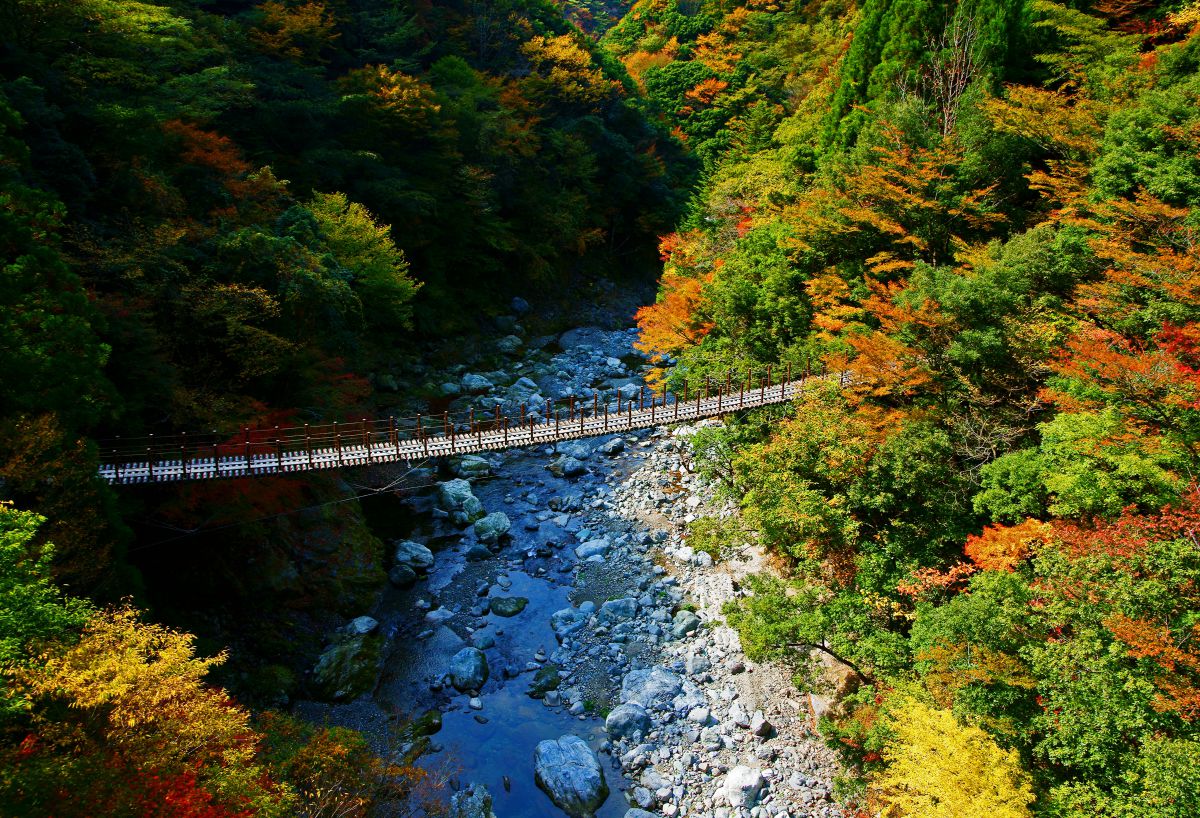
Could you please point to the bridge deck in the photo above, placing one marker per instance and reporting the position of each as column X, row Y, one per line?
column 391, row 448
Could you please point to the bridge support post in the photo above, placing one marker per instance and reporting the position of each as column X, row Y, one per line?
column 606, row 416
column 337, row 439
column 308, row 445
column 150, row 464
column 453, row 443
column 506, row 431
column 446, row 423
column 216, row 462
column 531, row 431
column 676, row 403
column 394, row 433
column 278, row 456
column 246, row 432
column 556, row 422
column 522, row 414
column 183, row 458
column 642, row 397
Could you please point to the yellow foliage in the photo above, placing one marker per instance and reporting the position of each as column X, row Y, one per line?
column 567, row 69
column 1053, row 120
column 297, row 31
column 138, row 689
column 938, row 768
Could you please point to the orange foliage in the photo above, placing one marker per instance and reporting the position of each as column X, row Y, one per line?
column 1003, row 548
column 1151, row 248
column 671, row 325
column 833, row 307
column 706, row 91
column 207, row 149
column 297, row 32
column 926, row 582
column 1178, row 681
column 885, row 367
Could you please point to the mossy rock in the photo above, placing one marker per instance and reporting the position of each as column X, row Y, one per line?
column 508, row 605
column 348, row 667
column 545, row 680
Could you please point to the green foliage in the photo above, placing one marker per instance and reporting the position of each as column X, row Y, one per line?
column 1087, row 464
column 33, row 612
column 378, row 268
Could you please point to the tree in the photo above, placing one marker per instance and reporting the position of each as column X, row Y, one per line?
column 33, row 612
column 938, row 768
column 129, row 690
column 365, row 248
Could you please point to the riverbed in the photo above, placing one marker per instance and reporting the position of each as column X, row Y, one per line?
column 596, row 534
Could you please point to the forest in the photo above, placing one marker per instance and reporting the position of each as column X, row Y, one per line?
column 217, row 214
column 986, row 213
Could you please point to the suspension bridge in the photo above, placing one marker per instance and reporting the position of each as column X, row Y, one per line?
column 263, row 452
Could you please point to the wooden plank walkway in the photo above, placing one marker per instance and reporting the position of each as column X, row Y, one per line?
column 390, row 447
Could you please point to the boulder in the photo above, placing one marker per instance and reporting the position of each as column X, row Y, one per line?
column 742, row 786
column 478, row 553
column 475, row 384
column 568, row 771
column 567, row 621
column 450, row 390
column 612, row 447
column 468, row 669
column 738, row 715
column 685, row 622
column 491, row 528
column 618, row 610
column 508, row 605
column 473, row 802
column 472, row 467
column 414, row 555
column 593, row 547
column 639, row 813
column 509, row 345
column 628, row 721
column 546, row 679
column 362, row 625
column 456, row 498
column 629, row 391
column 577, row 449
column 402, row 576
column 567, row 466
column 651, row 687
column 347, row 668
column 759, row 725
column 519, row 305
